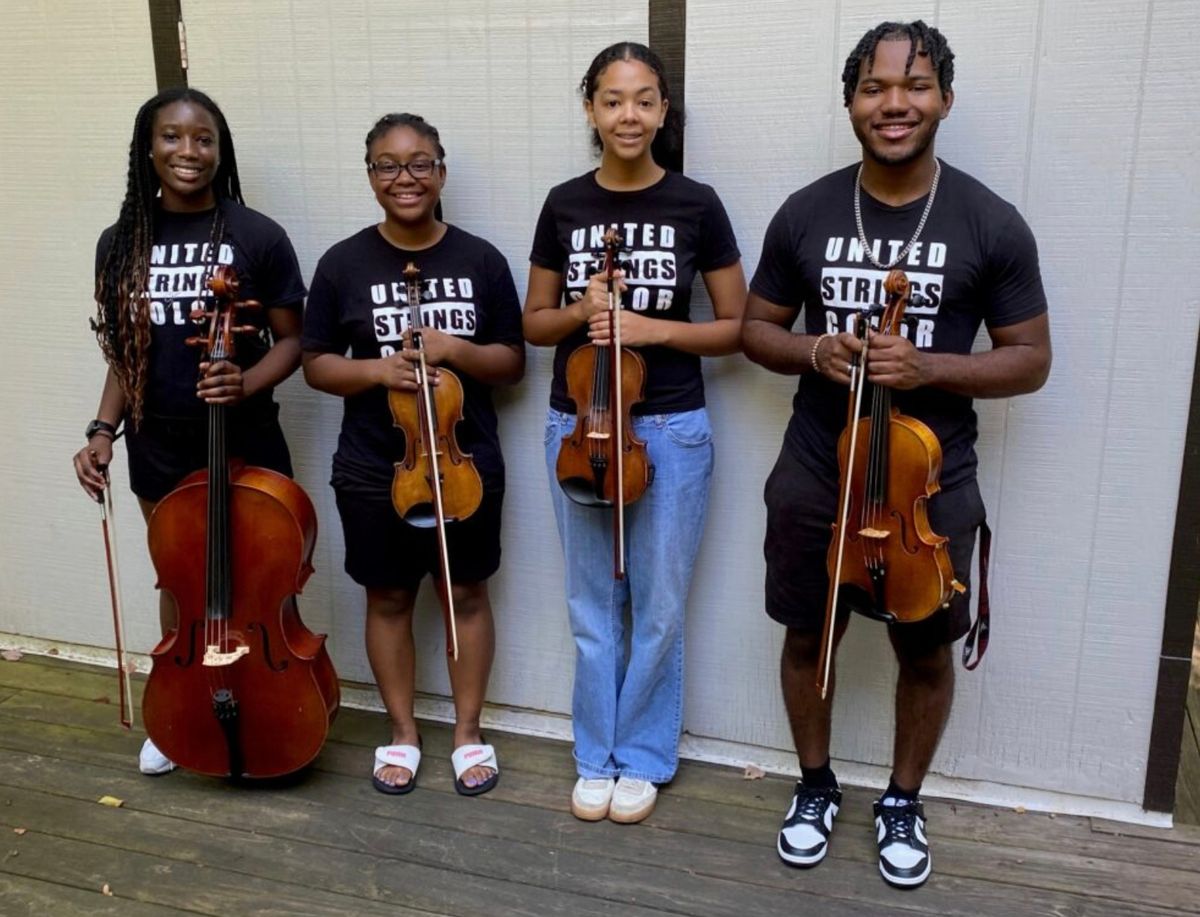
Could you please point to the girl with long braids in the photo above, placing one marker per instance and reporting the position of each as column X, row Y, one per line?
column 628, row 704
column 183, row 215
column 472, row 317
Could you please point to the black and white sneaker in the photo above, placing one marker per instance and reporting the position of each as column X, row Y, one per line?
column 904, row 859
column 804, row 837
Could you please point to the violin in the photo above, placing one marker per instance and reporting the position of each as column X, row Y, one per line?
column 605, row 382
column 239, row 687
column 885, row 561
column 436, row 482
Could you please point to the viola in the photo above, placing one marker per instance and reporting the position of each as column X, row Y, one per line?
column 436, row 482
column 240, row 687
column 885, row 560
column 602, row 462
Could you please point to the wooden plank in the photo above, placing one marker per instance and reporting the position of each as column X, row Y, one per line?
column 1187, row 789
column 157, row 880
column 538, row 772
column 331, row 797
column 465, row 872
column 34, row 897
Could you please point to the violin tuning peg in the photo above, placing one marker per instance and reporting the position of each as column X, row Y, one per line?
column 248, row 304
column 245, row 329
column 196, row 341
column 199, row 315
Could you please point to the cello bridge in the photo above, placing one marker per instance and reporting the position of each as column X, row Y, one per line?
column 873, row 534
column 214, row 657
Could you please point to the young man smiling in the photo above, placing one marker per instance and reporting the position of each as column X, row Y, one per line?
column 973, row 259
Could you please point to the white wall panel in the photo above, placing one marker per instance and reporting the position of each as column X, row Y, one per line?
column 1080, row 479
column 301, row 84
column 72, row 75
column 1065, row 698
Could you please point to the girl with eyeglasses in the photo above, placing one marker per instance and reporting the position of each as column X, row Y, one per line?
column 182, row 216
column 473, row 326
column 628, row 706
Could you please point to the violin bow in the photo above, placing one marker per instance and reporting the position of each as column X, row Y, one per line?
column 108, row 527
column 857, row 385
column 413, row 290
column 612, row 241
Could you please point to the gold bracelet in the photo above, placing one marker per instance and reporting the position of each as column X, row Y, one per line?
column 812, row 356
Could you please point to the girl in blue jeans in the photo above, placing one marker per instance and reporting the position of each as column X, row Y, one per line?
column 628, row 704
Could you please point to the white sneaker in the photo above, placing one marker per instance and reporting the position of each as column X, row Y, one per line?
column 152, row 761
column 591, row 797
column 632, row 800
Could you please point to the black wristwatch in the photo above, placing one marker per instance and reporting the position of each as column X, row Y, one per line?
column 100, row 426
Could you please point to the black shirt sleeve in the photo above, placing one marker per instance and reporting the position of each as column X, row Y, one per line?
column 1014, row 278
column 504, row 310
column 322, row 317
column 281, row 282
column 777, row 278
column 548, row 251
column 718, row 245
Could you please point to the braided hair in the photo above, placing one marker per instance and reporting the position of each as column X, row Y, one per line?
column 667, row 148
column 122, row 321
column 923, row 39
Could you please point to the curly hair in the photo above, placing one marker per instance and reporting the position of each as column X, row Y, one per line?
column 923, row 39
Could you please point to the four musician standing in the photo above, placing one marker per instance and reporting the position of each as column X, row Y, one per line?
column 968, row 253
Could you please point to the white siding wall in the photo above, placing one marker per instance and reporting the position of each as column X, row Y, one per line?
column 1065, row 108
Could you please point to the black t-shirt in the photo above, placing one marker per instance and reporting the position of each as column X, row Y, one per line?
column 358, row 303
column 670, row 231
column 262, row 255
column 976, row 261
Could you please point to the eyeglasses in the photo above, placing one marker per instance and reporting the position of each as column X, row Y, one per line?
column 420, row 169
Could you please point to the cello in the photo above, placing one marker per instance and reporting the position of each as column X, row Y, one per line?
column 240, row 687
column 884, row 561
column 605, row 381
column 436, row 482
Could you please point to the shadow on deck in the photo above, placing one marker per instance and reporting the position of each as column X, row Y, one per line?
column 327, row 843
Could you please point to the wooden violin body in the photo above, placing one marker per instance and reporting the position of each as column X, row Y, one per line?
column 412, row 483
column 584, row 466
column 884, row 561
column 893, row 558
column 275, row 673
column 240, row 687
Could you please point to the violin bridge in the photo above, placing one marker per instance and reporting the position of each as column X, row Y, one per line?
column 214, row 657
column 874, row 534
column 592, row 434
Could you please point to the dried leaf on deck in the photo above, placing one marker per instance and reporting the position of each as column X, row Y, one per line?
column 111, row 801
column 11, row 655
column 753, row 772
column 1020, row 810
column 105, row 890
column 19, row 831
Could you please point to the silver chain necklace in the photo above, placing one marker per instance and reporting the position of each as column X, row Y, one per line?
column 862, row 236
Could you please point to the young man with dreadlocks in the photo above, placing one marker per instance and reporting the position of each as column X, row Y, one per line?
column 183, row 214
column 826, row 252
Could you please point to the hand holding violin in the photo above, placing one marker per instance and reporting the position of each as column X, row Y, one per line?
column 637, row 330
column 833, row 355
column 595, row 298
column 221, row 382
column 893, row 361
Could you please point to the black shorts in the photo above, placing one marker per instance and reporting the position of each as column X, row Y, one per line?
column 801, row 507
column 164, row 451
column 385, row 552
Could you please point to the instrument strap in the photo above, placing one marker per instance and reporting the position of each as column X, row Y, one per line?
column 981, row 627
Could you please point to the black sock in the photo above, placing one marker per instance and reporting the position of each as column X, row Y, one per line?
column 896, row 792
column 819, row 778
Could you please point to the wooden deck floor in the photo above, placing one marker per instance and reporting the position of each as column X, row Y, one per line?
column 1187, row 787
column 327, row 843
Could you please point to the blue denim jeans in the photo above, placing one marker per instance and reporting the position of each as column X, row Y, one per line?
column 628, row 702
